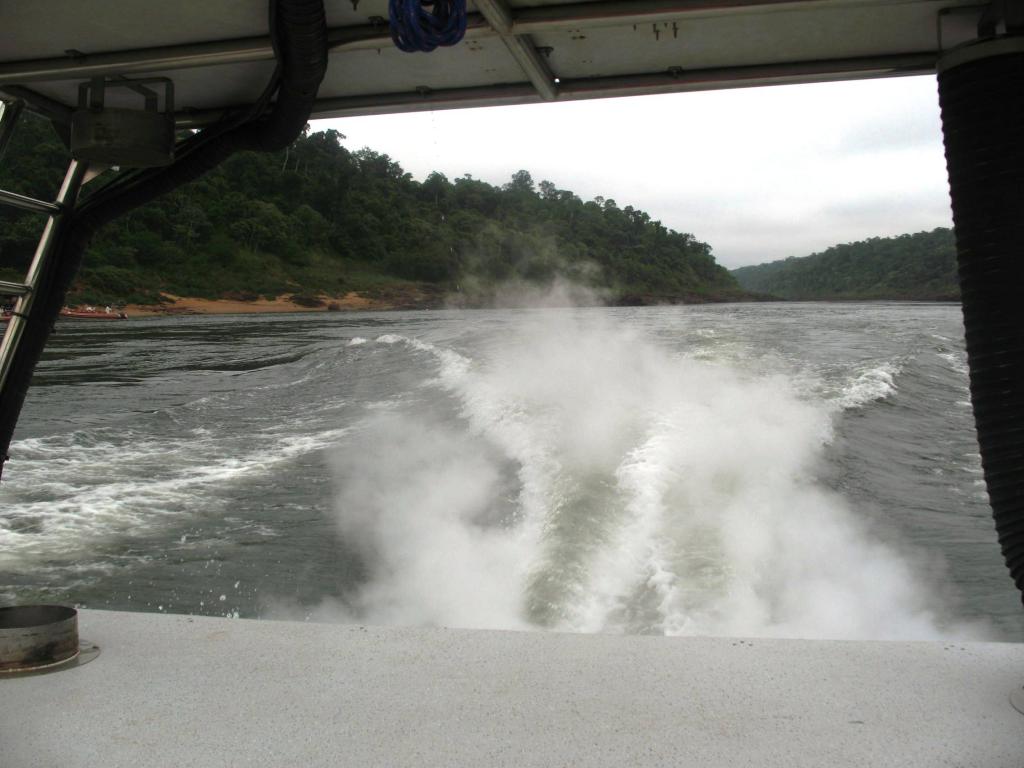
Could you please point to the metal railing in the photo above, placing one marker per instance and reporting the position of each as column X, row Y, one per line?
column 55, row 211
column 26, row 203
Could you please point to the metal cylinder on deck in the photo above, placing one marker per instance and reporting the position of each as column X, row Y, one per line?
column 36, row 637
column 981, row 92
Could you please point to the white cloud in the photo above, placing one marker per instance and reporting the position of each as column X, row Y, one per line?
column 760, row 174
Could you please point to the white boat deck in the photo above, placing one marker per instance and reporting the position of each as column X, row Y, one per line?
column 194, row 691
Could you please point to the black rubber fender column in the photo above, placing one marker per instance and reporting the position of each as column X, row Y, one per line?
column 981, row 92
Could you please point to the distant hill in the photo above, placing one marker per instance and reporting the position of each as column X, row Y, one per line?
column 317, row 219
column 918, row 267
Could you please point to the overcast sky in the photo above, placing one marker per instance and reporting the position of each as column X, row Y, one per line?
column 759, row 173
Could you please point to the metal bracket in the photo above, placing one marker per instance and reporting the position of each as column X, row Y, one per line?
column 10, row 111
column 92, row 92
column 1008, row 13
column 129, row 137
column 527, row 56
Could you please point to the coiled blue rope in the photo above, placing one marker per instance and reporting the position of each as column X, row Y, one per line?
column 421, row 25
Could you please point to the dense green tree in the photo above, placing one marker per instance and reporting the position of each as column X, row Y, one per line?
column 921, row 266
column 317, row 217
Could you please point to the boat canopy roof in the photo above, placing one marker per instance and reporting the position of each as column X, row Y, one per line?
column 219, row 55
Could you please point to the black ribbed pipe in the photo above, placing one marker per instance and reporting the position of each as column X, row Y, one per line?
column 983, row 125
column 302, row 31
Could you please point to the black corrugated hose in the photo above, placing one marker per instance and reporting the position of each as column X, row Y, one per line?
column 983, row 124
column 300, row 33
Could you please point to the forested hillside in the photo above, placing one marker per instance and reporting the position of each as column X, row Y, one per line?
column 318, row 219
column 921, row 266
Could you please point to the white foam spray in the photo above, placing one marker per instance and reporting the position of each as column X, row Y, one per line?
column 594, row 481
column 156, row 482
column 870, row 383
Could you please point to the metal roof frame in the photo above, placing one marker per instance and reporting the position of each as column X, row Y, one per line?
column 513, row 51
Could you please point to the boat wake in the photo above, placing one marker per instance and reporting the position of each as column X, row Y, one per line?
column 121, row 485
column 589, row 480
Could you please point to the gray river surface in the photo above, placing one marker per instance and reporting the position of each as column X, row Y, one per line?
column 796, row 470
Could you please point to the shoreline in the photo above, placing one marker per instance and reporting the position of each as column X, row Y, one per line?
column 181, row 306
column 176, row 306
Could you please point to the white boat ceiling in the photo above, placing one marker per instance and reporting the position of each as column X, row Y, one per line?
column 218, row 53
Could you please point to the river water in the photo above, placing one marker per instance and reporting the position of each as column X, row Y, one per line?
column 802, row 470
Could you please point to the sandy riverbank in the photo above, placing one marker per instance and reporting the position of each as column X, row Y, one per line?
column 350, row 302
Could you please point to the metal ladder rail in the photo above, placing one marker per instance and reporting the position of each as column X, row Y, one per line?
column 14, row 200
column 56, row 211
column 10, row 111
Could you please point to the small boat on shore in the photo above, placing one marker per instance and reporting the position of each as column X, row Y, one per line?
column 78, row 314
column 91, row 313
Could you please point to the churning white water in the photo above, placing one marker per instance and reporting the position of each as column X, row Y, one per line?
column 760, row 470
column 652, row 492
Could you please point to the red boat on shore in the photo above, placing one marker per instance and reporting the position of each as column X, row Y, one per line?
column 90, row 313
column 79, row 314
